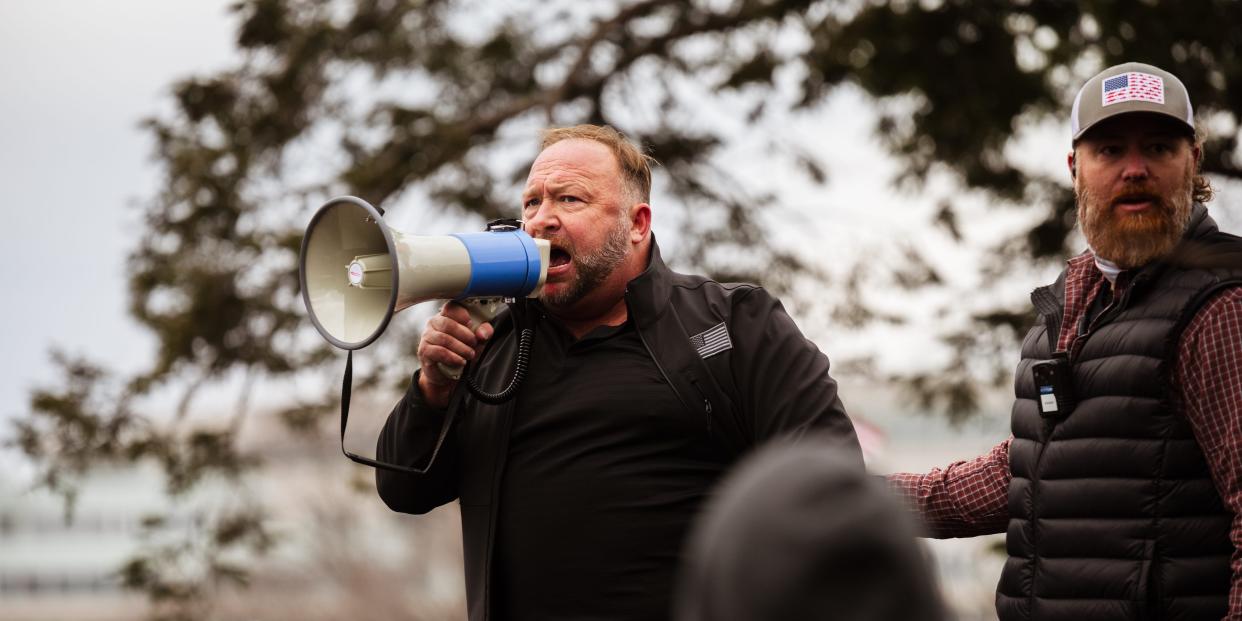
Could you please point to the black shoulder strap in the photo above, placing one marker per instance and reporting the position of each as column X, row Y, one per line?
column 346, row 388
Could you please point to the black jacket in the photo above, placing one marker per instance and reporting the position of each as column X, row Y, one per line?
column 1113, row 512
column 773, row 382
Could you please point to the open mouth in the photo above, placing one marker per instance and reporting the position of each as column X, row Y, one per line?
column 559, row 257
column 1135, row 201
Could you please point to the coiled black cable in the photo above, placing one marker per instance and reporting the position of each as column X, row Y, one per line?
column 525, row 337
column 519, row 373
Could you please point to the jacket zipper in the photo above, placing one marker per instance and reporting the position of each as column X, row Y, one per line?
column 707, row 405
column 1047, row 304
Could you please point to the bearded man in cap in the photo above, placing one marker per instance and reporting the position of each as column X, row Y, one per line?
column 1120, row 489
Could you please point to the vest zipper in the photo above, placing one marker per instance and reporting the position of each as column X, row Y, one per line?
column 1035, row 478
column 1120, row 302
column 1046, row 303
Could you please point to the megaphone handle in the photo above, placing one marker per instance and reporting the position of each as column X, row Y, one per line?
column 453, row 373
column 481, row 310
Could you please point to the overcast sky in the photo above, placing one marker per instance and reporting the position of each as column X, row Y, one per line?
column 77, row 79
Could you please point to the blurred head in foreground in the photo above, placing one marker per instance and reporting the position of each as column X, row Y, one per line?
column 798, row 532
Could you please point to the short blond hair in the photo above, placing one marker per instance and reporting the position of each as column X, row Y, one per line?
column 635, row 165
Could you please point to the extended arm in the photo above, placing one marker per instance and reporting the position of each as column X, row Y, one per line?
column 964, row 499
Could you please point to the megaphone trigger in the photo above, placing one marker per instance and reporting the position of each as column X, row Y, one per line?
column 481, row 310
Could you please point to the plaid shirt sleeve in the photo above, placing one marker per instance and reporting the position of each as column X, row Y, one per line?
column 964, row 499
column 1209, row 382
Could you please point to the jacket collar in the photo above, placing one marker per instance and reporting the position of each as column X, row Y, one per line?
column 1200, row 224
column 647, row 295
column 1202, row 247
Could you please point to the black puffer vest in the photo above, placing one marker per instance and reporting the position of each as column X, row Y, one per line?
column 1113, row 514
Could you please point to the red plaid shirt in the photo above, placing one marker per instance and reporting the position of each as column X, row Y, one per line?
column 970, row 498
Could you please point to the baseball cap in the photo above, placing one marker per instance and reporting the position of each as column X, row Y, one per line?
column 1130, row 87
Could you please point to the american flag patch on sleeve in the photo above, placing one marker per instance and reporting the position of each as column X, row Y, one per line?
column 1132, row 86
column 712, row 341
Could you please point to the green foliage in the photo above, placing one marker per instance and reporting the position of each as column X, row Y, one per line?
column 386, row 99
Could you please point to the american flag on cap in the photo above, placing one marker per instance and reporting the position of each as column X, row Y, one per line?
column 1132, row 86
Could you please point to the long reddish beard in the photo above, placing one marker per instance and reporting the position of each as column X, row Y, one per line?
column 1135, row 239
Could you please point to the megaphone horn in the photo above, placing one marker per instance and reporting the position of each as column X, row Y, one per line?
column 356, row 272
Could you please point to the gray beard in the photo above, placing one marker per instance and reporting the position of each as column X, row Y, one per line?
column 592, row 269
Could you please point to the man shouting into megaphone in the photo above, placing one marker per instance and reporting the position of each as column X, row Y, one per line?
column 644, row 386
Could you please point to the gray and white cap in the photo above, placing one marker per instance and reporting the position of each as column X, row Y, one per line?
column 1130, row 87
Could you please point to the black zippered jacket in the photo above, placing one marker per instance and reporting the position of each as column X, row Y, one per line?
column 773, row 382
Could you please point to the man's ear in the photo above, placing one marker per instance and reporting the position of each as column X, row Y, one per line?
column 1073, row 166
column 640, row 221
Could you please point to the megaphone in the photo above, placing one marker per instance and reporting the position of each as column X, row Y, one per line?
column 357, row 272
